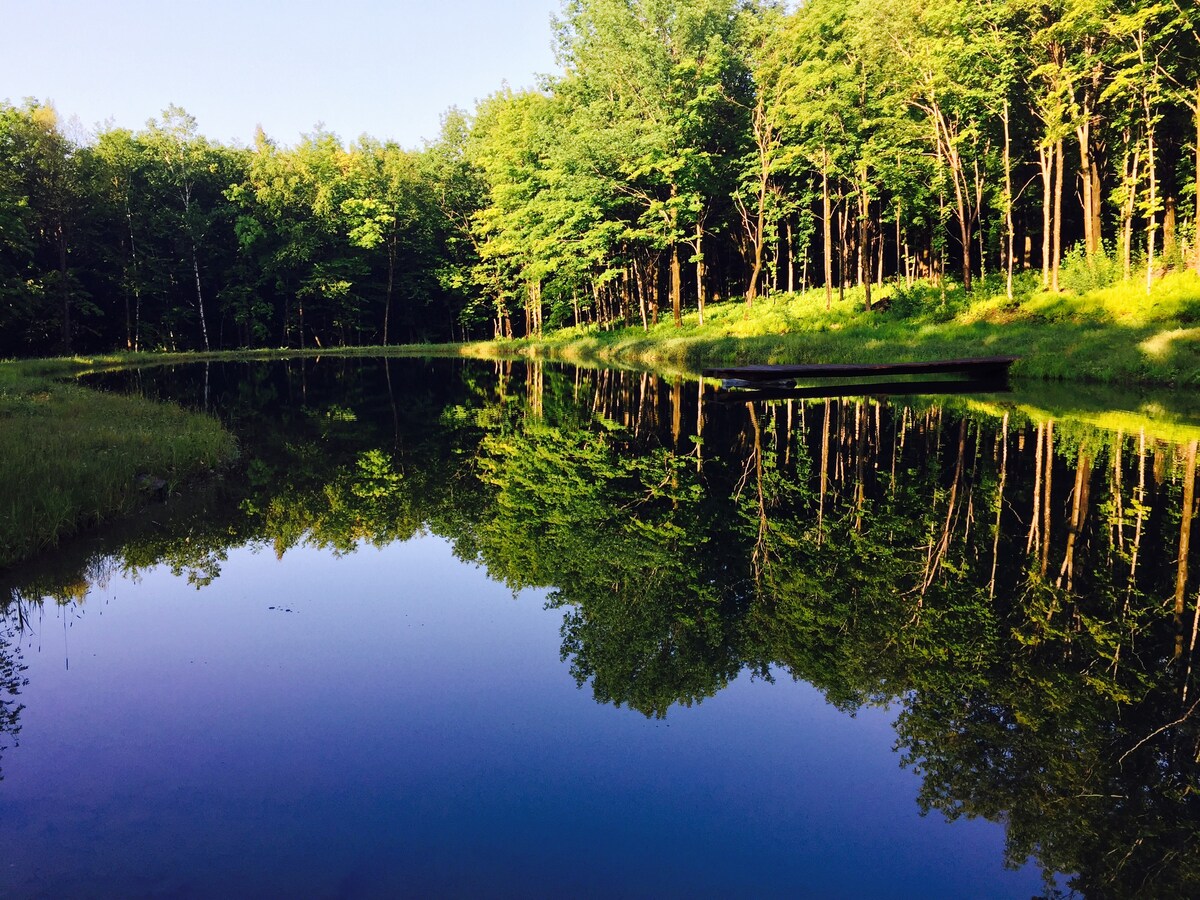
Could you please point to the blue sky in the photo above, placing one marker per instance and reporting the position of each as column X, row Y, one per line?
column 388, row 69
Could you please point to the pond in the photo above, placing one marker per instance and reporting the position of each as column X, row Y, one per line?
column 488, row 628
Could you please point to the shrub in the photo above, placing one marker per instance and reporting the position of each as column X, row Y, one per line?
column 1081, row 273
column 925, row 302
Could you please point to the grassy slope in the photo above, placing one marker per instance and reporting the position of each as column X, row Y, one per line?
column 71, row 457
column 1116, row 335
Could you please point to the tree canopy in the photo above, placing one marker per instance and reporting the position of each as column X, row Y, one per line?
column 684, row 151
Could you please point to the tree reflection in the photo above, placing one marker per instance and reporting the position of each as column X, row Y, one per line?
column 12, row 680
column 1022, row 588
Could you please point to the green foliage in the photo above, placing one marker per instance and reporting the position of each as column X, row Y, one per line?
column 1082, row 274
column 928, row 303
column 686, row 152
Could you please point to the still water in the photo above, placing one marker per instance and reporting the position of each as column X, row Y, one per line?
column 473, row 628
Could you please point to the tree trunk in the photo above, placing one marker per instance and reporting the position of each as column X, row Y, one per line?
column 1129, row 173
column 827, row 226
column 947, row 150
column 133, row 335
column 1196, row 221
column 1089, row 176
column 64, row 290
column 597, row 305
column 1000, row 486
column 535, row 305
column 941, row 259
column 773, row 266
column 843, row 249
column 1047, row 485
column 981, row 239
column 640, row 287
column 879, row 242
column 676, row 286
column 186, row 196
column 1140, row 497
column 1046, row 164
column 651, row 286
column 1168, row 228
column 1079, row 507
column 764, row 139
column 757, row 239
column 1089, row 168
column 128, row 321
column 1056, row 258
column 864, row 254
column 824, row 474
column 1187, row 511
column 1008, row 207
column 1152, row 207
column 200, row 299
column 791, row 262
column 1097, row 208
column 1035, row 517
column 964, row 234
column 1085, row 191
column 391, row 280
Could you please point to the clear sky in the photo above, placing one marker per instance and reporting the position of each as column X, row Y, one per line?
column 388, row 69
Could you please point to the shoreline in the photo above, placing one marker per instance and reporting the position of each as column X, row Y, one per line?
column 72, row 457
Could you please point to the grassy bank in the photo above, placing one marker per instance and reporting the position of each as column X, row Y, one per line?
column 71, row 457
column 1118, row 334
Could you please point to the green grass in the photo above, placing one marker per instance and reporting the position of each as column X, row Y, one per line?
column 1117, row 335
column 71, row 457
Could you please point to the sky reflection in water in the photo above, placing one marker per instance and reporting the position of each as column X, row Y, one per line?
column 410, row 727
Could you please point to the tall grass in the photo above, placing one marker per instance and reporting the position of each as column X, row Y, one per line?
column 71, row 457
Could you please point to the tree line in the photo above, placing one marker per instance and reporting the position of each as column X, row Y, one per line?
column 685, row 152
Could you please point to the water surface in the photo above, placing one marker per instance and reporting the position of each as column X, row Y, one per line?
column 481, row 628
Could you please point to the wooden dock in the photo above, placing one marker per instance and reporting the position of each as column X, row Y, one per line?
column 746, row 392
column 986, row 367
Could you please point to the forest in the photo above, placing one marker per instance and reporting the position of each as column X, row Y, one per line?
column 685, row 153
